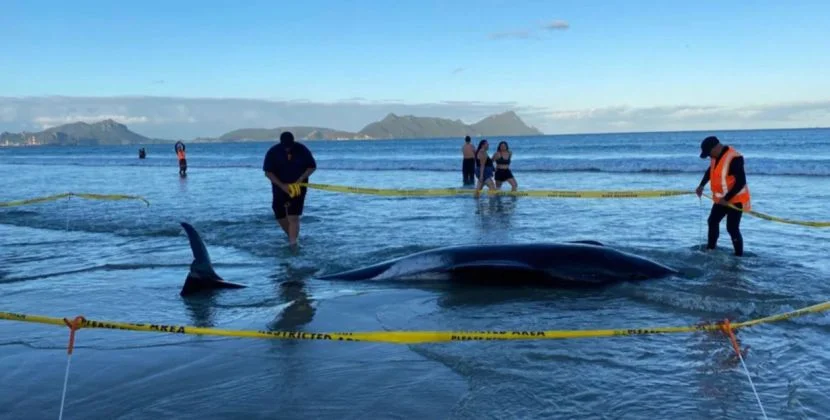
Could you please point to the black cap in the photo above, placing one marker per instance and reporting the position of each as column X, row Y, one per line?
column 706, row 146
column 286, row 138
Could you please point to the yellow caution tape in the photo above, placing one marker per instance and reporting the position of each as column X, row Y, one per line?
column 66, row 195
column 408, row 337
column 442, row 192
column 294, row 190
column 775, row 219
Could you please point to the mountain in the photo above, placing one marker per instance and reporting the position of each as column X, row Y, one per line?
column 309, row 133
column 504, row 124
column 393, row 126
column 106, row 132
column 109, row 132
column 399, row 127
column 408, row 126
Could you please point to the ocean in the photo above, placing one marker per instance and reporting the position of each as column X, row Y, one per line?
column 125, row 261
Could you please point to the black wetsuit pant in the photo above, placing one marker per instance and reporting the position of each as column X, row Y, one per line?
column 733, row 223
column 468, row 171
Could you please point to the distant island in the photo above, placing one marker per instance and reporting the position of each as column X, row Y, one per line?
column 399, row 127
column 109, row 132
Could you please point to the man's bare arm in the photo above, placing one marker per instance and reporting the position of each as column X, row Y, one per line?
column 307, row 174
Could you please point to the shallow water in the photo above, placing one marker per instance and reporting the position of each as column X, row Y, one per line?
column 123, row 261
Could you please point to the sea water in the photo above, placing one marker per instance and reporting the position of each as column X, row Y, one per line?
column 125, row 261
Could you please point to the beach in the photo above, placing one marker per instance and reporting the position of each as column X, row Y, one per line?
column 126, row 261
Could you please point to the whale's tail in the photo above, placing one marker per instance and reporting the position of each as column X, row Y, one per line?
column 201, row 277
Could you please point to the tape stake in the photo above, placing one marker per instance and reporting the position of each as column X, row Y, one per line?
column 727, row 328
column 74, row 326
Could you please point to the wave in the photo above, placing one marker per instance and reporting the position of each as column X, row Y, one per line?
column 113, row 267
column 243, row 234
column 628, row 164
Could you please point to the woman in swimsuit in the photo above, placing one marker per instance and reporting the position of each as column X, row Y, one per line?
column 502, row 158
column 484, row 167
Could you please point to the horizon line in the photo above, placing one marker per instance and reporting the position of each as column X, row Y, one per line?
column 597, row 133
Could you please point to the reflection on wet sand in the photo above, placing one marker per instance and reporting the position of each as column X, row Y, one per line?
column 497, row 205
column 202, row 311
column 292, row 289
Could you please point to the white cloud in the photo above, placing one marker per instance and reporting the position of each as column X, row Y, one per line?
column 8, row 113
column 46, row 122
column 683, row 117
column 354, row 99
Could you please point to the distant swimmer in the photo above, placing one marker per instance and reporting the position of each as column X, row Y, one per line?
column 181, row 156
column 142, row 153
column 484, row 167
column 469, row 162
column 502, row 157
column 728, row 182
column 285, row 165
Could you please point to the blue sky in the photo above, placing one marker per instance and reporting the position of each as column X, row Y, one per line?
column 603, row 55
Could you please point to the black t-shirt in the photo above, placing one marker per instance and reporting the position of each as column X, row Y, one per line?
column 288, row 165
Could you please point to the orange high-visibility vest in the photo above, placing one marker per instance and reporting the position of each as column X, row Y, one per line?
column 721, row 181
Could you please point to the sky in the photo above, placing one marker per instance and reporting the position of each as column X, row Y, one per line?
column 187, row 68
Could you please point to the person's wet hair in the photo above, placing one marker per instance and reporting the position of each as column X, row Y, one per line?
column 480, row 144
column 506, row 146
column 467, row 139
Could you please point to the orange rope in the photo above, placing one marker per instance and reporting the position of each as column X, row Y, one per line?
column 727, row 329
column 75, row 325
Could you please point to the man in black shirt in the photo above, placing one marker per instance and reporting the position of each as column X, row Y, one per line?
column 728, row 182
column 287, row 163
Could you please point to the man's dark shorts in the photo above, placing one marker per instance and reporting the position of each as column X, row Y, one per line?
column 283, row 205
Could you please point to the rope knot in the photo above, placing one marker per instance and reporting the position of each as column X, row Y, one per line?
column 727, row 329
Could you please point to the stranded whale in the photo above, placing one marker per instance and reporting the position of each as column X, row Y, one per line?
column 567, row 264
column 558, row 265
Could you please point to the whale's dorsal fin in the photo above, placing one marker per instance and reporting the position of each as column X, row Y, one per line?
column 201, row 276
column 201, row 257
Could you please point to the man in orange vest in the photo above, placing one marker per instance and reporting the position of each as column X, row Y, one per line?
column 728, row 183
